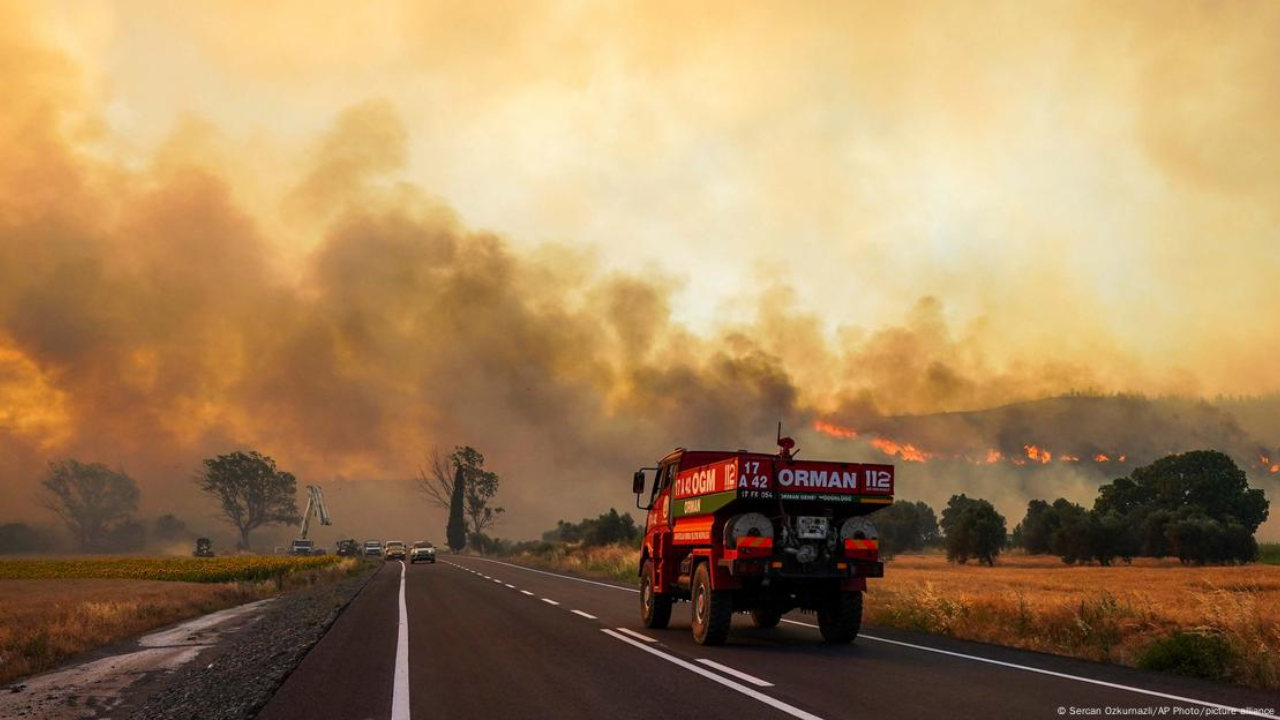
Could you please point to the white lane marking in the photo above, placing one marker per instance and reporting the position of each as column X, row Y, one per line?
column 497, row 581
column 791, row 710
column 588, row 616
column 526, row 592
column 513, row 587
column 549, row 601
column 400, row 687
column 736, row 673
column 637, row 635
column 564, row 577
column 1052, row 673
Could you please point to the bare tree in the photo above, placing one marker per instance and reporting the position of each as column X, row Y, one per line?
column 436, row 481
column 90, row 498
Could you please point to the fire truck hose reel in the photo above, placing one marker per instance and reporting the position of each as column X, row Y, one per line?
column 858, row 528
column 751, row 524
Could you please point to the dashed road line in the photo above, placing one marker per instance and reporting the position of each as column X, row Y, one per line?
column 775, row 703
column 526, row 592
column 549, row 601
column 588, row 616
column 562, row 577
column 736, row 673
column 637, row 635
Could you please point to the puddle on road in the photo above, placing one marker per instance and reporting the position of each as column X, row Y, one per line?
column 94, row 688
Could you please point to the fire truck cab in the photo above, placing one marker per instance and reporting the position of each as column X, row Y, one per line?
column 737, row 531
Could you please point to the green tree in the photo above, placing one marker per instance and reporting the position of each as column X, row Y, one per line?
column 905, row 526
column 1196, row 505
column 1207, row 482
column 974, row 529
column 91, row 499
column 251, row 492
column 456, row 531
column 610, row 527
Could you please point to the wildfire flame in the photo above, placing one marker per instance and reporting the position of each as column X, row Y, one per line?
column 907, row 452
column 834, row 430
column 1270, row 467
column 1035, row 453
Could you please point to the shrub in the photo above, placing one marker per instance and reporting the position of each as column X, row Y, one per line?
column 1202, row 655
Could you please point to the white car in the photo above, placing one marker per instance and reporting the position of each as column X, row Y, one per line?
column 423, row 551
column 394, row 550
column 373, row 548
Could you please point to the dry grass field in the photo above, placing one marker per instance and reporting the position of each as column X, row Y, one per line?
column 1220, row 622
column 1123, row 614
column 49, row 610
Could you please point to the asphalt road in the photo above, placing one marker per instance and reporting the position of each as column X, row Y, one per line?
column 491, row 640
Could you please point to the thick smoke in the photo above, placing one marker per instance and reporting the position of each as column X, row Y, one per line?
column 154, row 312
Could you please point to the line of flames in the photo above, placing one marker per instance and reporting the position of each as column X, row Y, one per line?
column 1033, row 454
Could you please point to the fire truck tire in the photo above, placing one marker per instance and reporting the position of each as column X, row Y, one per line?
column 765, row 617
column 840, row 618
column 712, row 609
column 655, row 608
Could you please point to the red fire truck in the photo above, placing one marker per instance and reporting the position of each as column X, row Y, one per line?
column 736, row 531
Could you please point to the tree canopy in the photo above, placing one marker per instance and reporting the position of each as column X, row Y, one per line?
column 905, row 526
column 92, row 500
column 607, row 528
column 251, row 491
column 974, row 529
column 1196, row 506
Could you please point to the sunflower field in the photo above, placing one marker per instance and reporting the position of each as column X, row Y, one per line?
column 232, row 568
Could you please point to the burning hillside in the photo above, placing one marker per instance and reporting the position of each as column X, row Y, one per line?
column 1106, row 433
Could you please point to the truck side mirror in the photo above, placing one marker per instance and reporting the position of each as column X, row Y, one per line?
column 637, row 482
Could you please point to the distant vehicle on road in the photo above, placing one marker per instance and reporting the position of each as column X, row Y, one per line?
column 373, row 548
column 395, row 550
column 423, row 551
column 302, row 547
column 204, row 547
column 348, row 548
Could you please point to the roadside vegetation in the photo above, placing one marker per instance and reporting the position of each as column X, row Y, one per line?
column 1269, row 553
column 232, row 568
column 51, row 610
column 1219, row 622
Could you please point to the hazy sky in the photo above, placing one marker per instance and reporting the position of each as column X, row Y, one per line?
column 1010, row 198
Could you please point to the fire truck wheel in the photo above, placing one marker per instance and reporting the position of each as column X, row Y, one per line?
column 840, row 618
column 655, row 608
column 765, row 617
column 712, row 609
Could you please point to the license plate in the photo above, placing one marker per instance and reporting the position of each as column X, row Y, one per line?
column 812, row 528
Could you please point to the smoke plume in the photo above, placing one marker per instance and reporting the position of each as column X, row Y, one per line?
column 175, row 284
